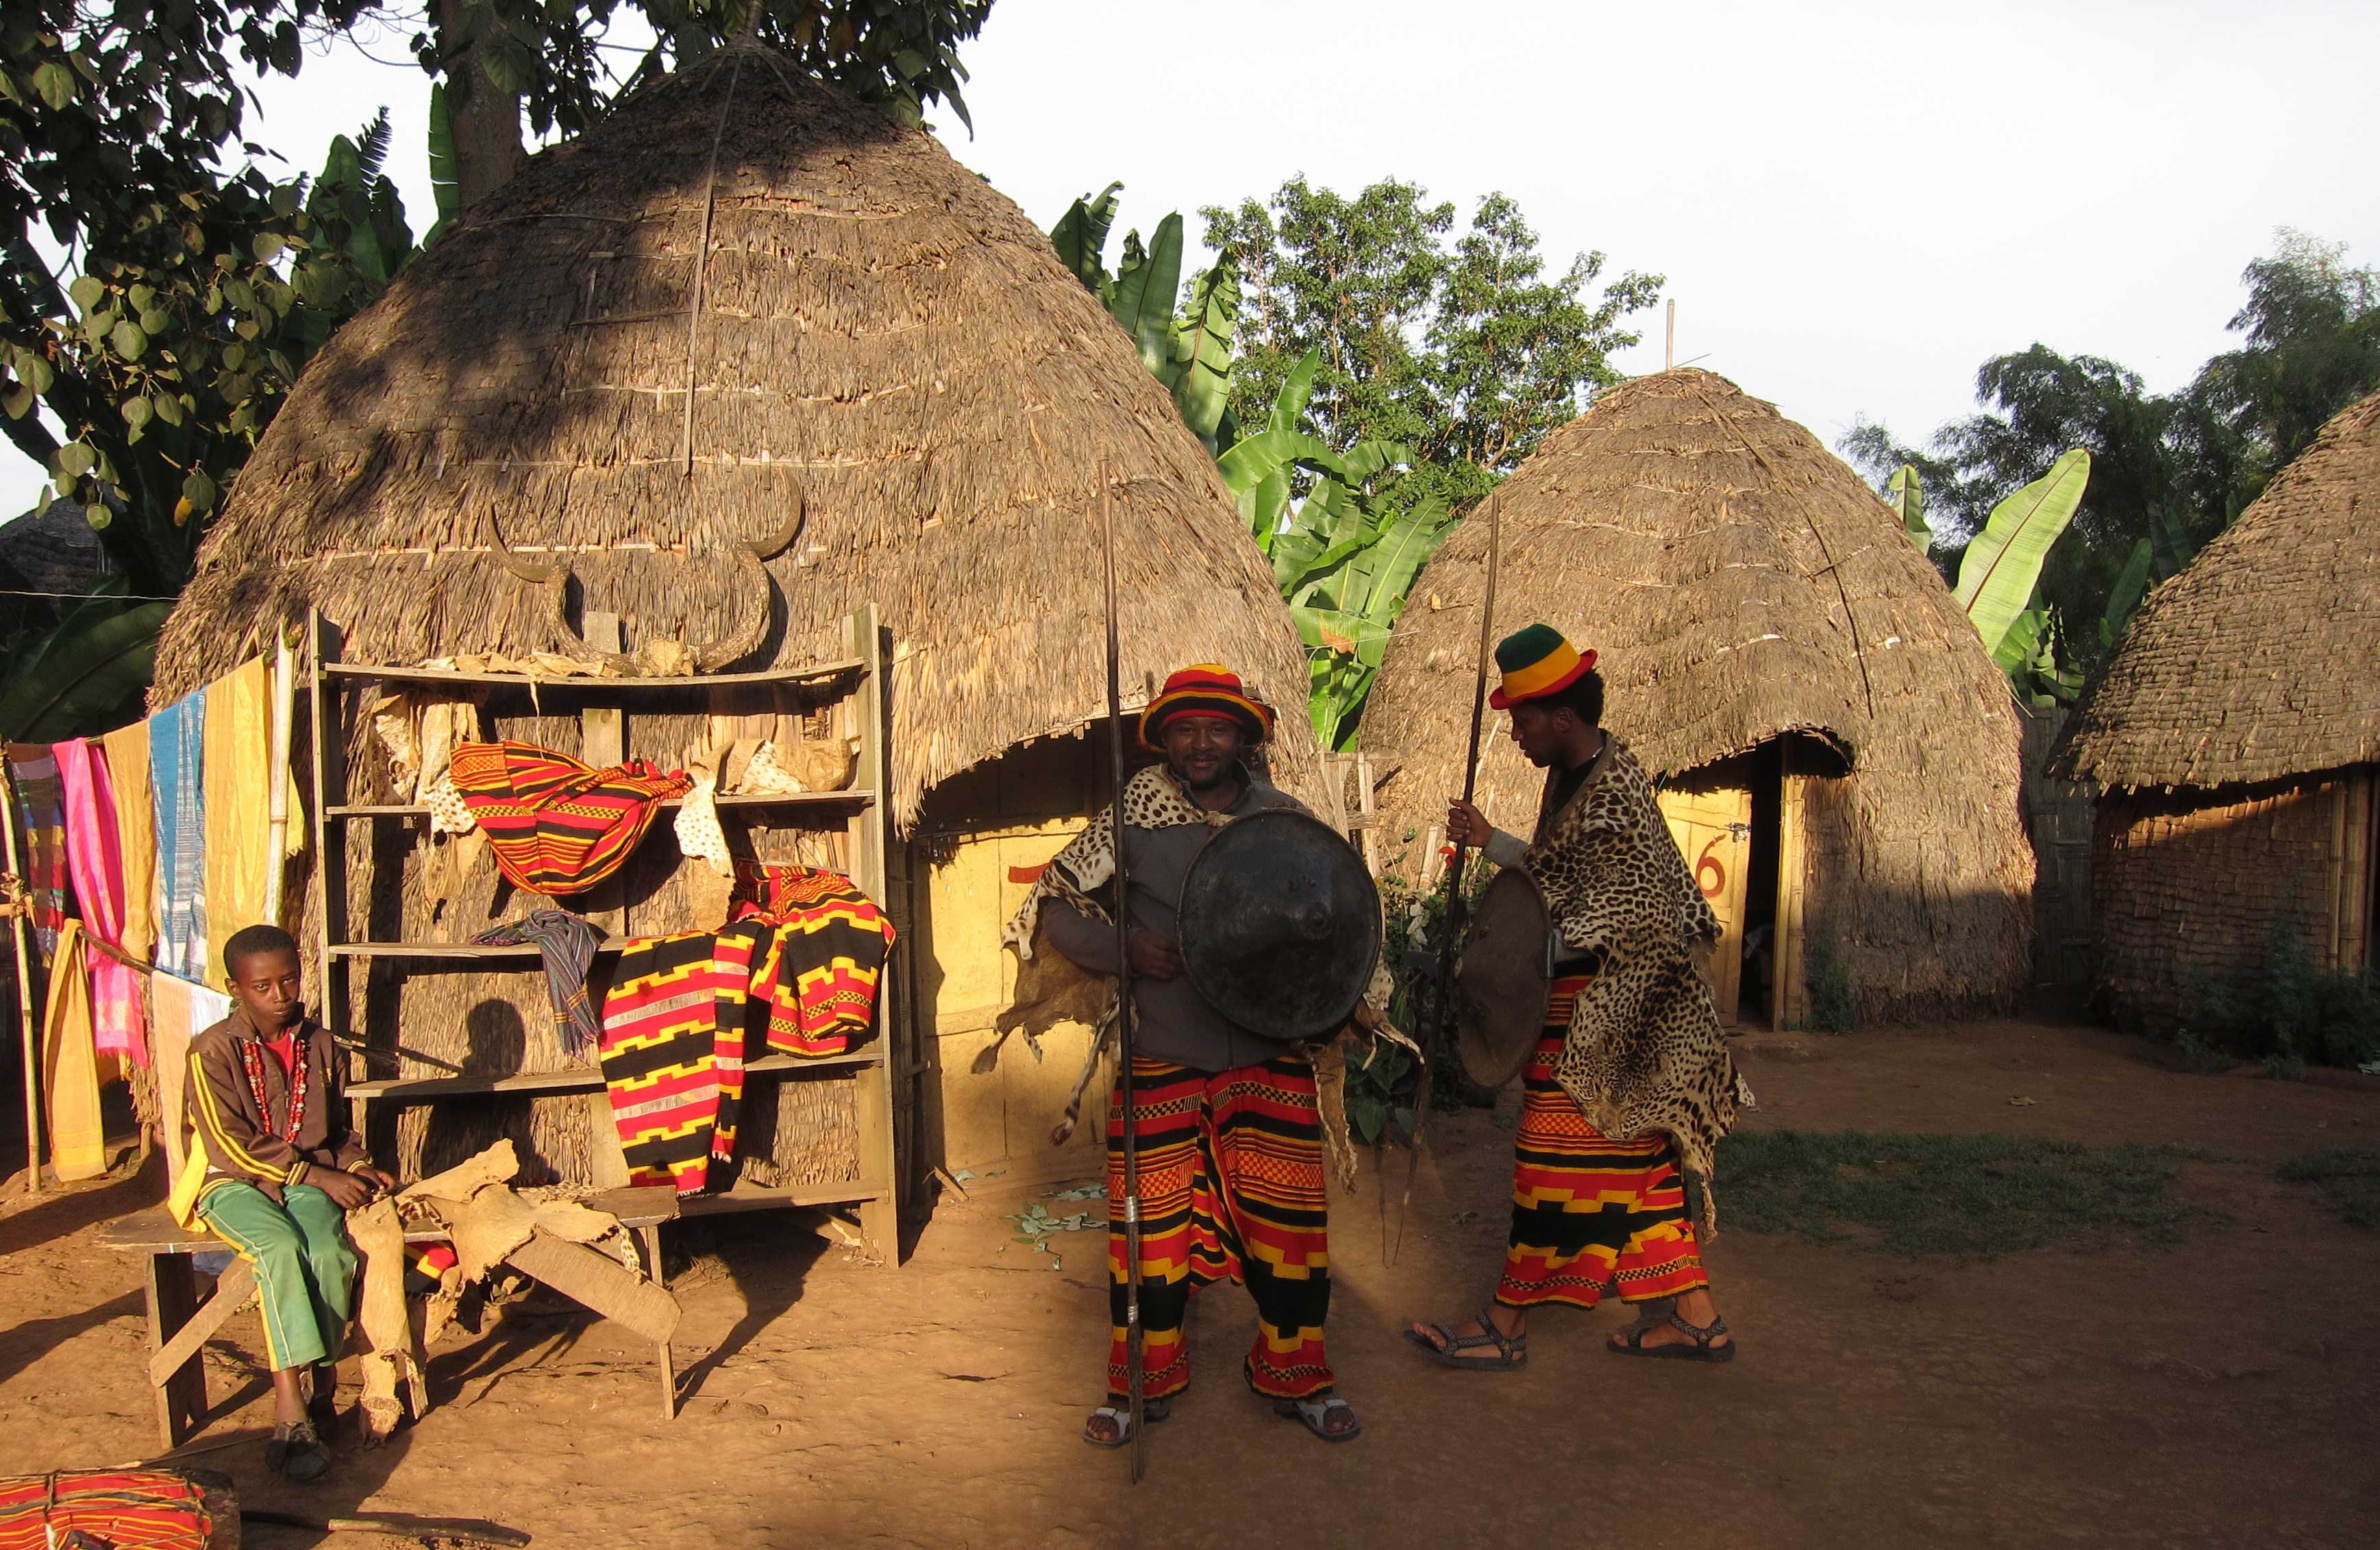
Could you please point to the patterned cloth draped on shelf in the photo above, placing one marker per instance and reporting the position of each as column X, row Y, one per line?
column 795, row 970
column 559, row 826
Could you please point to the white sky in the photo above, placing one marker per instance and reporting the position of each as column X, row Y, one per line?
column 1855, row 201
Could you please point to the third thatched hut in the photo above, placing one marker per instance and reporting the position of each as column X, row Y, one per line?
column 2236, row 738
column 1838, row 753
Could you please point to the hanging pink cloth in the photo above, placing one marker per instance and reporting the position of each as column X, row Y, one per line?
column 95, row 860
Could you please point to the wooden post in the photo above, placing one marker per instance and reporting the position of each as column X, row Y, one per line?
column 880, row 1218
column 285, row 690
column 1670, row 348
column 18, row 925
column 173, row 1298
column 1369, row 811
column 603, row 740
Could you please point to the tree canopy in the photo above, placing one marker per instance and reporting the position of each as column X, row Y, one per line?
column 1461, row 347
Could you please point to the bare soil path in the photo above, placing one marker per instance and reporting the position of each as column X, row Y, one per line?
column 2222, row 1391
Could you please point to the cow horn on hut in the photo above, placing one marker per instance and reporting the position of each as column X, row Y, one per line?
column 879, row 387
column 1837, row 750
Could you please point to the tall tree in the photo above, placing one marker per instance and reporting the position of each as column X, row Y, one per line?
column 2168, row 471
column 1464, row 351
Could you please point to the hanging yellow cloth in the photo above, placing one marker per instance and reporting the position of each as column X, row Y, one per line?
column 135, row 835
column 239, row 805
column 70, row 1064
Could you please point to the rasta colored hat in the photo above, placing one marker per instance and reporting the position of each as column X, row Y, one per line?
column 1205, row 689
column 1537, row 661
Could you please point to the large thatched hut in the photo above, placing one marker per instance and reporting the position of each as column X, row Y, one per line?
column 2236, row 738
column 1837, row 750
column 743, row 358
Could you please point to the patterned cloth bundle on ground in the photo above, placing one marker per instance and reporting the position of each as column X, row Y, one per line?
column 1590, row 1216
column 559, row 826
column 797, row 972
column 1230, row 1189
column 125, row 1510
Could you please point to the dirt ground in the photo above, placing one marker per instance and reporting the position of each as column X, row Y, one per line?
column 2222, row 1391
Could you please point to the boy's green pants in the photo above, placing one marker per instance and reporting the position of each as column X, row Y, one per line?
column 305, row 1268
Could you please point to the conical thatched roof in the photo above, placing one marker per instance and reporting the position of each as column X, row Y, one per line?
column 879, row 340
column 1742, row 584
column 2261, row 660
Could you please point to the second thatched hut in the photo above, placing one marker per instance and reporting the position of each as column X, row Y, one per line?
column 2236, row 738
column 1838, row 753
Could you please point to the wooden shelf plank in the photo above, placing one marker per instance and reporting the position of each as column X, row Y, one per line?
column 580, row 1080
column 749, row 1196
column 855, row 797
column 814, row 673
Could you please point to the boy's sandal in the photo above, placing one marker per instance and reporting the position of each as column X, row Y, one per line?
column 1511, row 1351
column 1314, row 1413
column 297, row 1452
column 1152, row 1411
column 1631, row 1342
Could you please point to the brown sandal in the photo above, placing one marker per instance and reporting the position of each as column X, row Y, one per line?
column 1631, row 1342
column 1511, row 1351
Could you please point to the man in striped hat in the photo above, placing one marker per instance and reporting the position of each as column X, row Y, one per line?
column 1229, row 1131
column 1631, row 1085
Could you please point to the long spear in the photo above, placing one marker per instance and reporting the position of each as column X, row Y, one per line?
column 1132, row 1331
column 1442, row 1001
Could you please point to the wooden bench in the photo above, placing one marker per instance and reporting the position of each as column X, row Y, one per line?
column 180, row 1324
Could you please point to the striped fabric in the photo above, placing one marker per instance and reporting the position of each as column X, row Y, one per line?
column 1230, row 1189
column 126, row 1510
column 826, row 953
column 558, row 826
column 42, row 817
column 660, row 1059
column 1590, row 1216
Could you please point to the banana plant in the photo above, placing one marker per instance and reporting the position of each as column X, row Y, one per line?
column 2132, row 585
column 2000, row 575
column 88, row 674
column 1190, row 353
column 1906, row 496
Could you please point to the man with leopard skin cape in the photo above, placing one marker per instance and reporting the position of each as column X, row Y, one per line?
column 1631, row 1086
column 1228, row 1123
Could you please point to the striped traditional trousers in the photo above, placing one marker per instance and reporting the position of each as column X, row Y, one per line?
column 1230, row 1188
column 1590, row 1216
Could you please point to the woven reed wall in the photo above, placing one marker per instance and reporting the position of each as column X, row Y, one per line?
column 2187, row 890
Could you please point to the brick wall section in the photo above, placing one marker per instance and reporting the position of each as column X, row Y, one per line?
column 2187, row 890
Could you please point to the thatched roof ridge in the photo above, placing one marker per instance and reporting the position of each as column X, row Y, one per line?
column 882, row 341
column 1739, row 584
column 2261, row 661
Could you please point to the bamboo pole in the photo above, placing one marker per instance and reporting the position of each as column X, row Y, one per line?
column 285, row 689
column 24, row 995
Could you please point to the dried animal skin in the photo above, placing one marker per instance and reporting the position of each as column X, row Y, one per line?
column 392, row 1355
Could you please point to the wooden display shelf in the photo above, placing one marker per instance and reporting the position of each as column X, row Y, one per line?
column 754, row 1197
column 404, row 1090
column 466, row 951
column 854, row 797
column 815, row 673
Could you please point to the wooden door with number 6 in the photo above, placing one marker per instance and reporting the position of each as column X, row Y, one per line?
column 1713, row 833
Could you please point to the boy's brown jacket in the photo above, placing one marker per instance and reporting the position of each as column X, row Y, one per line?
column 250, row 1144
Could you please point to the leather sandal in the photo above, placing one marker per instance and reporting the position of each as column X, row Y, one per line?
column 1631, row 1342
column 1511, row 1351
column 1151, row 1410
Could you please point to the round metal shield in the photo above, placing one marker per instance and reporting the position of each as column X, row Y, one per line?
column 1500, row 987
column 1280, row 925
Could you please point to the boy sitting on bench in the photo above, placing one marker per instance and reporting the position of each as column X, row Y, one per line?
column 282, row 1167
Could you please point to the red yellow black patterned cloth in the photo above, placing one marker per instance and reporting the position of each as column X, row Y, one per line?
column 558, row 826
column 125, row 1510
column 1230, row 1189
column 1590, row 1216
column 797, row 972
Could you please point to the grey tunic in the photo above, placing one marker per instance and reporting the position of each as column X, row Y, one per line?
column 1172, row 1022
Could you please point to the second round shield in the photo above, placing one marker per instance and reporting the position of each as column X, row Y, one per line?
column 1500, row 987
column 1280, row 925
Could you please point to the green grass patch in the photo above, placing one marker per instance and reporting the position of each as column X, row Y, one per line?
column 1976, row 1195
column 2350, row 1180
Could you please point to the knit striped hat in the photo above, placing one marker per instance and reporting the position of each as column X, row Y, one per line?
column 1205, row 689
column 1537, row 661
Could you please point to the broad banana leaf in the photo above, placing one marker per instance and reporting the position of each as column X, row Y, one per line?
column 446, row 184
column 1202, row 387
column 1906, row 494
column 2020, row 642
column 2003, row 563
column 1081, row 236
column 1379, row 576
column 2170, row 542
column 1142, row 299
column 2132, row 585
column 1254, row 458
column 89, row 678
column 1289, row 404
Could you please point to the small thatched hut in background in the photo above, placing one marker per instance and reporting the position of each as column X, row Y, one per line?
column 1838, row 752
column 741, row 299
column 2235, row 738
